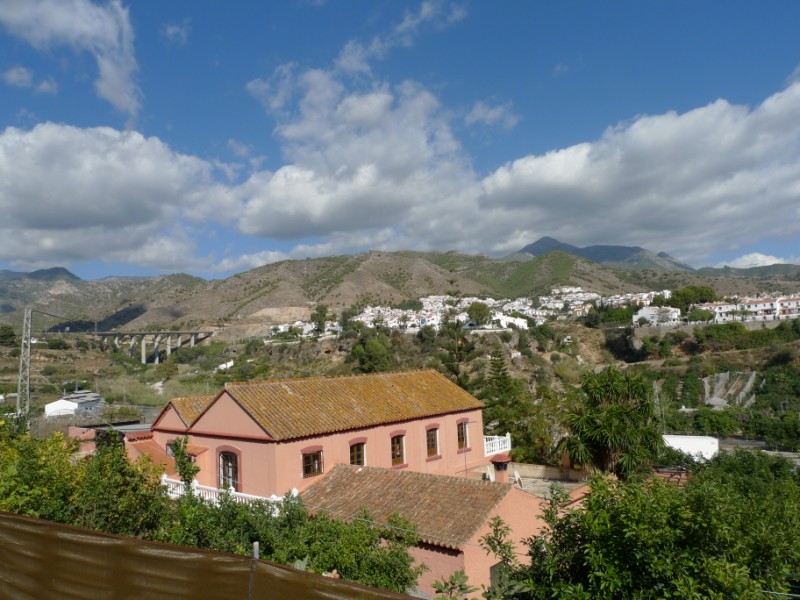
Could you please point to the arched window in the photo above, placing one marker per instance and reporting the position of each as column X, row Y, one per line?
column 229, row 470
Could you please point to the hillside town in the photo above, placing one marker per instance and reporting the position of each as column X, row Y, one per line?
column 566, row 302
column 563, row 303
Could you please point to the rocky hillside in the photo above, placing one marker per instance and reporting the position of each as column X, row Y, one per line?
column 253, row 301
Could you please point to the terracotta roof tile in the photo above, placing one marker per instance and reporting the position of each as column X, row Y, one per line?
column 293, row 408
column 447, row 511
column 191, row 407
column 156, row 454
column 135, row 436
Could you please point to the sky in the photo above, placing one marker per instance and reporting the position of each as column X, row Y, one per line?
column 141, row 138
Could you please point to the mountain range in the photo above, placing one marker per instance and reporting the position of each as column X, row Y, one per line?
column 250, row 303
column 621, row 257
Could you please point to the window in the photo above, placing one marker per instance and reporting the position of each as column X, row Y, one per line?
column 229, row 470
column 398, row 453
column 432, row 439
column 357, row 454
column 312, row 464
column 463, row 439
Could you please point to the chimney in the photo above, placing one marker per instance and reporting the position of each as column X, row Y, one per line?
column 501, row 462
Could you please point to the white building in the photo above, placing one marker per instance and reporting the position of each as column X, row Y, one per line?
column 702, row 447
column 658, row 316
column 80, row 402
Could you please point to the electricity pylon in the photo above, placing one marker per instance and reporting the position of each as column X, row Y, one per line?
column 24, row 385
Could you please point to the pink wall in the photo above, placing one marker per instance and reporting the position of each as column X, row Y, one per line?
column 522, row 512
column 336, row 449
column 267, row 467
column 441, row 563
column 226, row 417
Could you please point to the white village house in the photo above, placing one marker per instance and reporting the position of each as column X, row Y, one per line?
column 77, row 403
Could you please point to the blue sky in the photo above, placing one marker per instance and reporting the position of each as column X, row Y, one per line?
column 184, row 136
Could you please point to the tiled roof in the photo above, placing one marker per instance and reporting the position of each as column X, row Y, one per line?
column 190, row 407
column 135, row 436
column 155, row 452
column 447, row 511
column 294, row 408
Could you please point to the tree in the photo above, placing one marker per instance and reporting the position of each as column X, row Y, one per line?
column 701, row 315
column 371, row 352
column 685, row 297
column 7, row 335
column 613, row 427
column 57, row 343
column 319, row 318
column 456, row 351
column 479, row 313
column 116, row 495
column 455, row 586
column 503, row 395
column 183, row 462
column 730, row 533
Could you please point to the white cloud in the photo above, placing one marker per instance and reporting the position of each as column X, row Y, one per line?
column 18, row 77
column 378, row 167
column 359, row 162
column 47, row 86
column 756, row 259
column 177, row 33
column 246, row 262
column 560, row 69
column 70, row 194
column 103, row 31
column 718, row 177
column 277, row 91
column 484, row 114
column 356, row 56
column 22, row 77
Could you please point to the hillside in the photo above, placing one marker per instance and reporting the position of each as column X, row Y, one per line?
column 621, row 257
column 250, row 303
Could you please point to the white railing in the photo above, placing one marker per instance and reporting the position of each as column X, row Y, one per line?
column 176, row 488
column 495, row 444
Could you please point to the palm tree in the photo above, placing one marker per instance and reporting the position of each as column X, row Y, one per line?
column 613, row 429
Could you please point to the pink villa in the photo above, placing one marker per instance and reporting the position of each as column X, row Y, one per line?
column 266, row 438
column 410, row 443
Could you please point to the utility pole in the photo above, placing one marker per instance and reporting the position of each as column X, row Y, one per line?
column 24, row 384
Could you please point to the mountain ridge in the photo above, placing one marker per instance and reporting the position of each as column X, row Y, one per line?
column 252, row 301
column 628, row 257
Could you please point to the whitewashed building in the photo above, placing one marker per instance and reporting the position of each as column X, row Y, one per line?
column 658, row 316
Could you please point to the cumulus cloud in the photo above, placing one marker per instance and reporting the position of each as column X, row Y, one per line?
column 47, row 86
column 70, row 194
column 374, row 163
column 719, row 177
column 103, row 31
column 756, row 259
column 358, row 162
column 276, row 91
column 22, row 77
column 485, row 114
column 246, row 262
column 18, row 77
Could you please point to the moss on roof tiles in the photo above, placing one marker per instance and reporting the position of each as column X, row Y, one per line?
column 294, row 408
column 447, row 511
column 191, row 407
